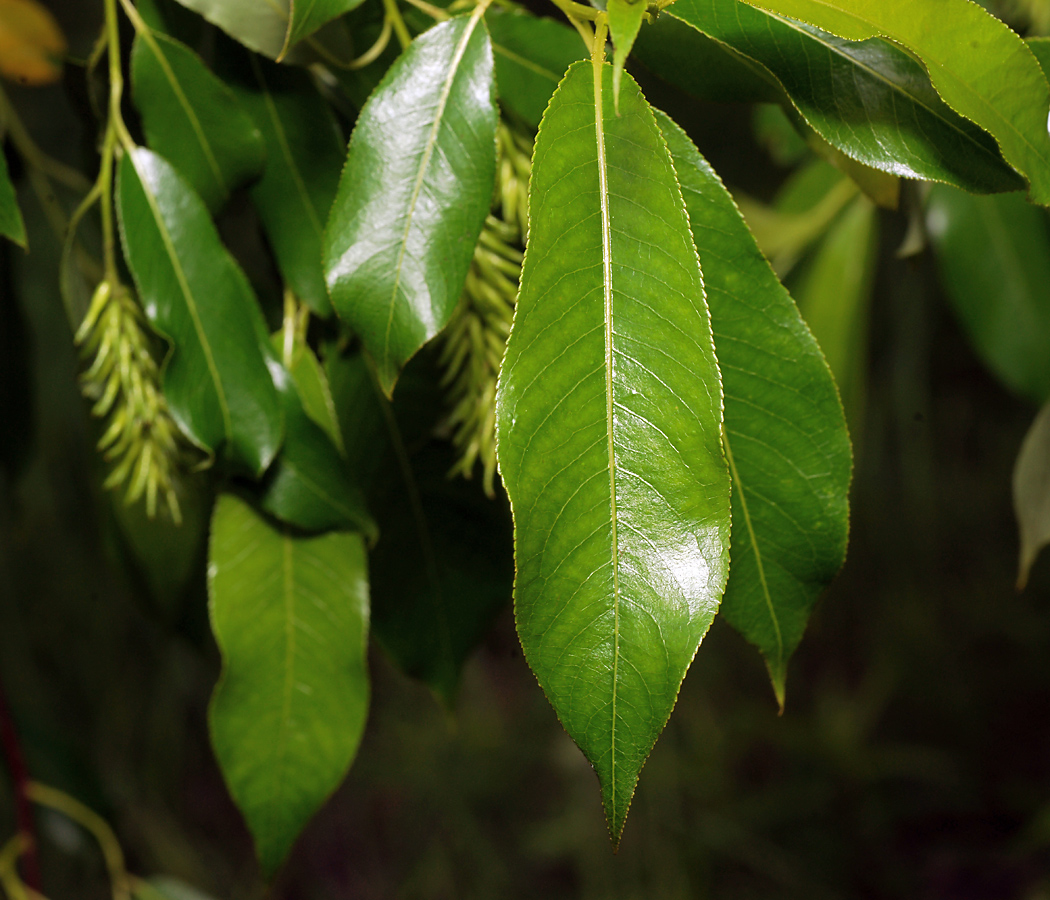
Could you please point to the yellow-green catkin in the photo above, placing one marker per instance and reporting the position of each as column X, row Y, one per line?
column 476, row 335
column 141, row 438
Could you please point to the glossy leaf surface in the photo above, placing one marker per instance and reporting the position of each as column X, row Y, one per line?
column 981, row 68
column 11, row 224
column 414, row 193
column 191, row 118
column 304, row 157
column 215, row 378
column 785, row 434
column 869, row 99
column 1031, row 489
column 994, row 258
column 531, row 56
column 290, row 615
column 609, row 420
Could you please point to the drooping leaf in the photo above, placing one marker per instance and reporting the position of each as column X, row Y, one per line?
column 625, row 20
column 31, row 43
column 981, row 68
column 11, row 224
column 785, row 434
column 260, row 26
column 215, row 378
column 304, row 157
column 993, row 254
column 193, row 119
column 609, row 421
column 414, row 193
column 290, row 615
column 531, row 56
column 311, row 384
column 869, row 99
column 833, row 293
column 443, row 566
column 1031, row 488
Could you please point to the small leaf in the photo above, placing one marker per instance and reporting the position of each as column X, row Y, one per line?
column 785, row 434
column 625, row 20
column 609, row 431
column 11, row 224
column 260, row 26
column 531, row 56
column 414, row 193
column 993, row 254
column 311, row 384
column 309, row 15
column 304, row 158
column 215, row 378
column 191, row 117
column 1031, row 484
column 869, row 99
column 981, row 68
column 31, row 43
column 290, row 615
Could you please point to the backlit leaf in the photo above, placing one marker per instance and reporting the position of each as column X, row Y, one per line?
column 31, row 43
column 215, row 378
column 414, row 193
column 785, row 435
column 290, row 615
column 609, row 431
column 625, row 20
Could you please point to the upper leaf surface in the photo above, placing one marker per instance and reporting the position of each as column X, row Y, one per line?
column 215, row 378
column 785, row 433
column 869, row 99
column 414, row 193
column 261, row 25
column 609, row 417
column 290, row 615
column 625, row 20
column 309, row 15
column 994, row 257
column 981, row 68
column 11, row 224
column 192, row 118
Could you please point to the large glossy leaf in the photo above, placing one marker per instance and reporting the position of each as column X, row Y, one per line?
column 414, row 193
column 609, row 417
column 994, row 258
column 215, row 378
column 443, row 566
column 785, row 434
column 290, row 615
column 1031, row 490
column 191, row 118
column 869, row 99
column 531, row 55
column 11, row 224
column 981, row 68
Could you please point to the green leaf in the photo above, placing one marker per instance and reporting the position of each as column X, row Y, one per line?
column 191, row 117
column 260, row 26
column 993, row 254
column 833, row 295
column 194, row 294
column 1031, row 489
column 609, row 421
column 531, row 56
column 625, row 20
column 311, row 384
column 11, row 224
column 871, row 100
column 414, row 193
column 443, row 567
column 290, row 615
column 785, row 434
column 304, row 157
column 309, row 15
column 981, row 68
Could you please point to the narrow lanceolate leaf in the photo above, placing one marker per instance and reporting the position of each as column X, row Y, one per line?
column 609, row 416
column 414, row 193
column 290, row 615
column 193, row 119
column 304, row 156
column 11, row 224
column 994, row 258
column 869, row 99
column 531, row 55
column 215, row 378
column 260, row 26
column 306, row 16
column 1032, row 493
column 785, row 435
column 625, row 20
column 981, row 68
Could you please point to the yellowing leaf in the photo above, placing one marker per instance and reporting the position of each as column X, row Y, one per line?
column 31, row 43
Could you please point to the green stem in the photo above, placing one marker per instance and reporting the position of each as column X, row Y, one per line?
column 400, row 28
